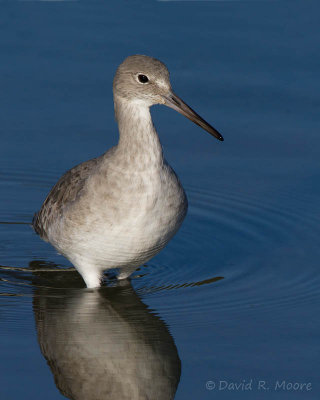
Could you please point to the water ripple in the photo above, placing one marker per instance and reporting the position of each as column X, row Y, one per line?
column 237, row 252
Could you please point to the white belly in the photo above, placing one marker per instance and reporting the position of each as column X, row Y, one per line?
column 127, row 229
column 140, row 238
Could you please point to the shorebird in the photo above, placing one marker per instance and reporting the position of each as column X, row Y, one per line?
column 120, row 209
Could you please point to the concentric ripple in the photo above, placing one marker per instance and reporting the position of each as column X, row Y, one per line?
column 236, row 252
column 253, row 243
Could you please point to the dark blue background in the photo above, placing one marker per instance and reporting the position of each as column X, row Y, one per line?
column 249, row 68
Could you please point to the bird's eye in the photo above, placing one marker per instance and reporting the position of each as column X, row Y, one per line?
column 143, row 78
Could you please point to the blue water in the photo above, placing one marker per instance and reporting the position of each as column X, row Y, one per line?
column 234, row 298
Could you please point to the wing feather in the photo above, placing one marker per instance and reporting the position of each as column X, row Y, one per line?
column 64, row 192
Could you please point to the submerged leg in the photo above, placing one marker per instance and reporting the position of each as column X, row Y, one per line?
column 92, row 279
column 125, row 272
column 91, row 275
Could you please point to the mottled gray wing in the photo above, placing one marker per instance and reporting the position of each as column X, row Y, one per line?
column 62, row 194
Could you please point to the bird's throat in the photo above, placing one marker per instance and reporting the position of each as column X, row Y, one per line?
column 138, row 143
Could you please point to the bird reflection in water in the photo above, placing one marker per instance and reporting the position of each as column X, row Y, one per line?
column 104, row 343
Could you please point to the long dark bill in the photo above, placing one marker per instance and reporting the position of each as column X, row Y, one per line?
column 173, row 101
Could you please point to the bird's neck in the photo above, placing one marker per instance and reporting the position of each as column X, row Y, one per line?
column 139, row 144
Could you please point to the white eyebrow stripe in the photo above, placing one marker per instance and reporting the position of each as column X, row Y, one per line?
column 163, row 84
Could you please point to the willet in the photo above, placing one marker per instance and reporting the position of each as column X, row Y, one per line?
column 122, row 208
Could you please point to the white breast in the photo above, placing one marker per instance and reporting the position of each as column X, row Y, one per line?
column 126, row 227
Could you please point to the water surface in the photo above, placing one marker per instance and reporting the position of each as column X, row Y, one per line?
column 234, row 297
